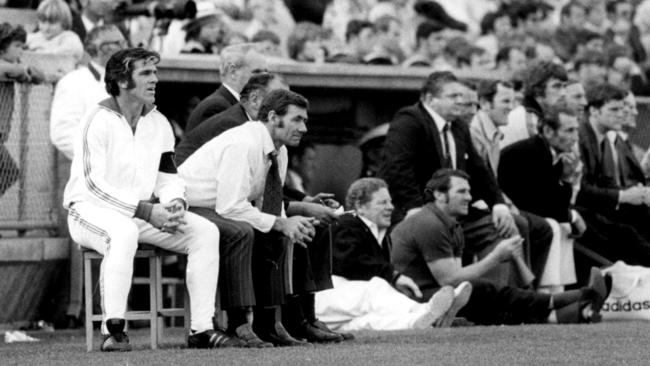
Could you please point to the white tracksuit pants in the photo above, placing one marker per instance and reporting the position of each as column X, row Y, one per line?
column 116, row 237
column 365, row 305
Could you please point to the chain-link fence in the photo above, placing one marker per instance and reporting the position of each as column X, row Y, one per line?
column 28, row 166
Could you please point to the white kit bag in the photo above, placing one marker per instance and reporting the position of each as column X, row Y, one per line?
column 630, row 295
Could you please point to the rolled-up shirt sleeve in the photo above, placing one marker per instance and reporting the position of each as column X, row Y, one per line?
column 234, row 185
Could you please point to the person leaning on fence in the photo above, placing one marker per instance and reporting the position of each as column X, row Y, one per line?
column 12, row 43
column 124, row 157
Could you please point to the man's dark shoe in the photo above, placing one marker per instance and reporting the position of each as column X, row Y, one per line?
column 600, row 287
column 280, row 337
column 322, row 326
column 313, row 334
column 116, row 340
column 213, row 339
column 245, row 333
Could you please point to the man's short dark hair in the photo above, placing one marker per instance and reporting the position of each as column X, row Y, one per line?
column 487, row 23
column 9, row 33
column 425, row 29
column 538, row 74
column 361, row 190
column 552, row 114
column 487, row 89
column 603, row 93
column 266, row 35
column 503, row 55
column 435, row 81
column 120, row 67
column 590, row 57
column 279, row 101
column 355, row 26
column 441, row 182
column 257, row 82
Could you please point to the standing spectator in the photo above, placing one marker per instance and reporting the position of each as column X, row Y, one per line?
column 109, row 200
column 93, row 13
column 237, row 64
column 53, row 35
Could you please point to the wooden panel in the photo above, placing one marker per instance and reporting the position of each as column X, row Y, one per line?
column 33, row 249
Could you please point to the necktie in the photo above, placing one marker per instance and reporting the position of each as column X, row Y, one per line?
column 608, row 165
column 623, row 150
column 445, row 139
column 272, row 202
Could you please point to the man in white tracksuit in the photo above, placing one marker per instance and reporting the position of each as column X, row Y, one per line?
column 124, row 157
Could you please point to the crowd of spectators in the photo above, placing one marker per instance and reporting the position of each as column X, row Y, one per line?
column 595, row 40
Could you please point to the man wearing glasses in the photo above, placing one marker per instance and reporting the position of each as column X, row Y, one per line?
column 75, row 94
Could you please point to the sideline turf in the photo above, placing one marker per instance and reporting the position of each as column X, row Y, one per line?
column 600, row 344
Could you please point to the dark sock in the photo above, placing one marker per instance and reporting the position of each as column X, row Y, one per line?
column 292, row 313
column 115, row 325
column 236, row 317
column 264, row 318
column 565, row 298
column 307, row 303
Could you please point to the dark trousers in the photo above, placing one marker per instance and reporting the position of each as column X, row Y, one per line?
column 481, row 236
column 491, row 305
column 269, row 262
column 312, row 266
column 614, row 240
column 236, row 246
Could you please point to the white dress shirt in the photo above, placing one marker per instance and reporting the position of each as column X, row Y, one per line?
column 228, row 173
column 232, row 91
column 440, row 124
column 378, row 233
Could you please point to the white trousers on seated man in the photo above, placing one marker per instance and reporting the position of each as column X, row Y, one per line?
column 560, row 268
column 116, row 237
column 367, row 305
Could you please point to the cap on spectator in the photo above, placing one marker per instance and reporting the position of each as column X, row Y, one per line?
column 435, row 11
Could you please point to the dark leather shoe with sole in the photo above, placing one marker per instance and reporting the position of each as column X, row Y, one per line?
column 245, row 333
column 280, row 337
column 322, row 326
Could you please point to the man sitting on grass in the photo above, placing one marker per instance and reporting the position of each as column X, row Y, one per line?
column 428, row 247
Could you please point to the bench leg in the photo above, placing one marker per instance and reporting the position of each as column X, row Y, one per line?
column 88, row 298
column 153, row 302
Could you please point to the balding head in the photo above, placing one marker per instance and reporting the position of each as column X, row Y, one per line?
column 238, row 63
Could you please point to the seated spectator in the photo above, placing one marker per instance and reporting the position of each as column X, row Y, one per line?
column 270, row 43
column 360, row 38
column 622, row 31
column 237, row 64
column 368, row 293
column 305, row 43
column 205, row 34
column 597, row 17
column 591, row 68
column 12, row 42
column 302, row 164
column 496, row 32
column 624, row 72
column 430, row 41
column 339, row 14
column 510, row 60
column 475, row 58
column 428, row 247
column 270, row 15
column 54, row 34
column 612, row 194
column 589, row 41
column 566, row 37
column 544, row 84
column 387, row 49
column 234, row 38
column 576, row 98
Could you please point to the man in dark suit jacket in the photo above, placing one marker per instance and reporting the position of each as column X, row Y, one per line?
column 612, row 197
column 417, row 145
column 245, row 110
column 238, row 63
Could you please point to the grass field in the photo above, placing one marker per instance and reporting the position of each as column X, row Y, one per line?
column 599, row 344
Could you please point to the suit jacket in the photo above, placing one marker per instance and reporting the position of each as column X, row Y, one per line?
column 413, row 152
column 634, row 172
column 598, row 191
column 213, row 104
column 209, row 129
column 356, row 255
column 526, row 174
